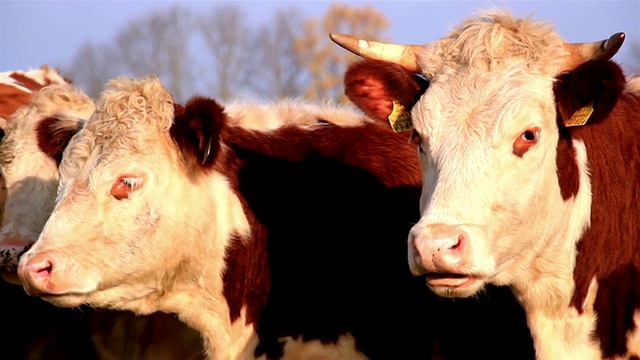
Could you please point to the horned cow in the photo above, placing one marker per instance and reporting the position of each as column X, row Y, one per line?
column 531, row 173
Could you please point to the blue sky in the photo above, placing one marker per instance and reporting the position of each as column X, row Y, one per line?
column 33, row 33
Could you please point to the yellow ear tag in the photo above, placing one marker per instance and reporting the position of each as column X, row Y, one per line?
column 581, row 116
column 400, row 118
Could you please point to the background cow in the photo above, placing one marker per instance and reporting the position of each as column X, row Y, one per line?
column 530, row 175
column 329, row 278
column 17, row 87
column 38, row 329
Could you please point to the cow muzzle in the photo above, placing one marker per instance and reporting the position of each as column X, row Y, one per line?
column 55, row 277
column 443, row 253
column 11, row 249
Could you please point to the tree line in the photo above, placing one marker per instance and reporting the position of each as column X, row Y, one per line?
column 221, row 55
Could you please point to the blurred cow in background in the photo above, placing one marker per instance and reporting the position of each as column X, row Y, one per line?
column 17, row 87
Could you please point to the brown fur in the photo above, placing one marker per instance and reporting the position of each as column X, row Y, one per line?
column 52, row 139
column 610, row 248
column 11, row 99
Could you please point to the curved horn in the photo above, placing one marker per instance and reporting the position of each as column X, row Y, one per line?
column 404, row 55
column 603, row 49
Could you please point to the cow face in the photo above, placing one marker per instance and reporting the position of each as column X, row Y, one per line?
column 29, row 154
column 127, row 186
column 493, row 208
column 491, row 179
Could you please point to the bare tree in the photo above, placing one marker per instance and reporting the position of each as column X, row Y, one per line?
column 92, row 66
column 228, row 39
column 327, row 62
column 159, row 44
column 279, row 65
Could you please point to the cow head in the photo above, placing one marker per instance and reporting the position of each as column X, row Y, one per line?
column 128, row 179
column 494, row 207
column 29, row 156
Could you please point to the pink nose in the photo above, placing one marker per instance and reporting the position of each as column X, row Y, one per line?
column 11, row 248
column 36, row 274
column 438, row 248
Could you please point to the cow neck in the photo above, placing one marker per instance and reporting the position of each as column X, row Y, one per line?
column 610, row 247
column 223, row 301
column 245, row 280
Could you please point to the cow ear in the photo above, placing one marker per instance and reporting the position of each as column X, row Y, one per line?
column 196, row 130
column 54, row 134
column 588, row 94
column 381, row 89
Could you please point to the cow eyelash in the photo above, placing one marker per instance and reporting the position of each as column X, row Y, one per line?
column 131, row 182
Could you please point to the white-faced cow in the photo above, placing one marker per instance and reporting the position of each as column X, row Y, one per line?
column 283, row 243
column 36, row 329
column 531, row 175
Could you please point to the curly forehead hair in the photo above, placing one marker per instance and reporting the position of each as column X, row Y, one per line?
column 132, row 108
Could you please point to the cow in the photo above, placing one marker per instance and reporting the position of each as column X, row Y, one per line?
column 531, row 173
column 272, row 243
column 17, row 87
column 31, row 175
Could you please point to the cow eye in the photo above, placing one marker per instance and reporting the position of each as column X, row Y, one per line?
column 125, row 185
column 525, row 141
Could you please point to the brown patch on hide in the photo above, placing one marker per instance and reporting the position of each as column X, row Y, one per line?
column 567, row 166
column 610, row 248
column 53, row 137
column 27, row 82
column 373, row 85
column 618, row 298
column 11, row 98
column 372, row 147
column 246, row 277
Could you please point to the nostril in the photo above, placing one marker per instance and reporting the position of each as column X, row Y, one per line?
column 459, row 243
column 47, row 268
column 41, row 269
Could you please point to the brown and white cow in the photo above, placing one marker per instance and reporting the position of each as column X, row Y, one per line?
column 17, row 87
column 531, row 175
column 36, row 329
column 285, row 243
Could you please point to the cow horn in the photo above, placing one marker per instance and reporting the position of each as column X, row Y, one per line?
column 603, row 49
column 404, row 55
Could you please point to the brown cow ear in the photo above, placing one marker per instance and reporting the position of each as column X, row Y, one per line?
column 54, row 134
column 196, row 130
column 588, row 94
column 384, row 91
